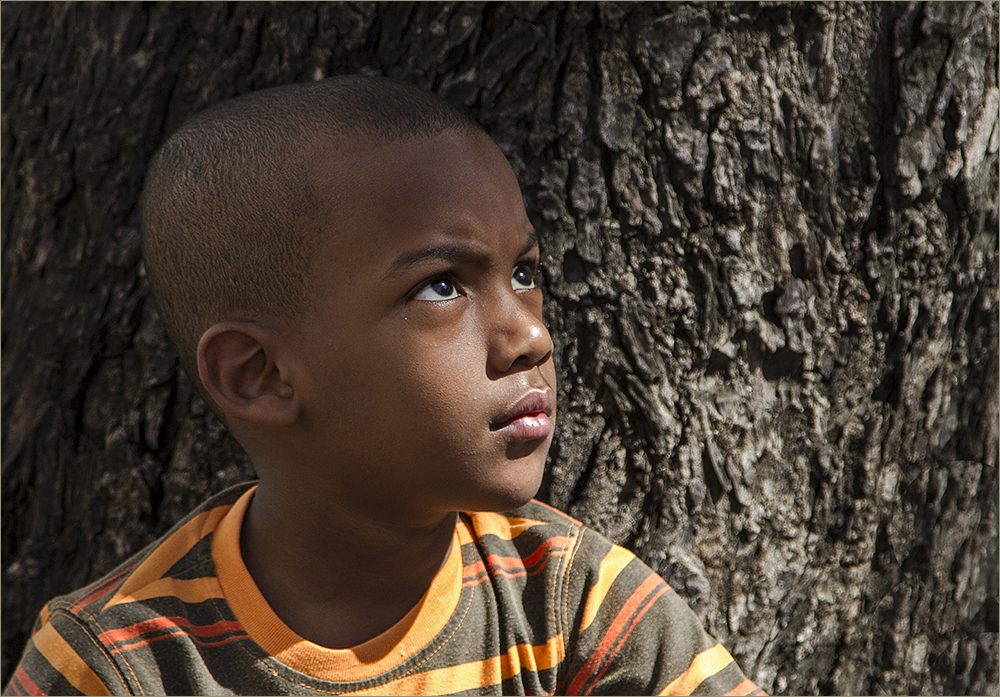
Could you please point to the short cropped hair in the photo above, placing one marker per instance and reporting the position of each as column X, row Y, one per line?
column 228, row 223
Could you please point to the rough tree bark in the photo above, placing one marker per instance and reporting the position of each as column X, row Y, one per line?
column 770, row 254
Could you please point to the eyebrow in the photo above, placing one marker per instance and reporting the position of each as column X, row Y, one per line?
column 451, row 252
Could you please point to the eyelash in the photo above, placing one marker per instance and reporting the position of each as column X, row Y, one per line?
column 530, row 266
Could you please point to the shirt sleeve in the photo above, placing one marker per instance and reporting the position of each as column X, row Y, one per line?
column 630, row 633
column 64, row 658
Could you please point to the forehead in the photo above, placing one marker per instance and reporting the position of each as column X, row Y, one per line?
column 392, row 194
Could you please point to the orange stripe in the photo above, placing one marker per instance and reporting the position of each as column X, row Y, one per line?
column 65, row 660
column 705, row 664
column 612, row 565
column 475, row 675
column 534, row 658
column 191, row 591
column 639, row 595
column 43, row 618
column 168, row 553
column 506, row 528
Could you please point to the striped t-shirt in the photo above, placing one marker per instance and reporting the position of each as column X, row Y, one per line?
column 528, row 602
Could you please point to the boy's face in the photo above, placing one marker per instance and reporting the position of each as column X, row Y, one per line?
column 429, row 383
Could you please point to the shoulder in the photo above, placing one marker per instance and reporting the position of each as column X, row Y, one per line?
column 590, row 554
column 81, row 641
column 626, row 630
column 172, row 555
column 590, row 558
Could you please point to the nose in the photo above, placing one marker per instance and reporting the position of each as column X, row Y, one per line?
column 518, row 338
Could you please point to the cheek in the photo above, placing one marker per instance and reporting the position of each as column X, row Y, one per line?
column 409, row 376
column 438, row 358
column 444, row 382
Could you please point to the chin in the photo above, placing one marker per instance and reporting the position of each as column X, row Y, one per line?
column 516, row 499
column 519, row 484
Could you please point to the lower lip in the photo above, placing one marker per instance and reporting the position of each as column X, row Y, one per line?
column 528, row 427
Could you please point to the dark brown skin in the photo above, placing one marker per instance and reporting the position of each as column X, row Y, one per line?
column 384, row 409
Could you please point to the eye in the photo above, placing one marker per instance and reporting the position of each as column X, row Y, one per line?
column 523, row 277
column 437, row 290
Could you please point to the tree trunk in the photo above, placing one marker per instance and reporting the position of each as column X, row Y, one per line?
column 770, row 253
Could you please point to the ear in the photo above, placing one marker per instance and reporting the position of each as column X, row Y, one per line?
column 236, row 363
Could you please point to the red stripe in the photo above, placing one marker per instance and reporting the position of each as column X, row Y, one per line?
column 640, row 594
column 155, row 624
column 621, row 643
column 473, row 574
column 525, row 572
column 475, row 581
column 30, row 688
column 543, row 550
column 470, row 570
column 747, row 688
column 744, row 688
column 104, row 589
column 201, row 642
column 476, row 573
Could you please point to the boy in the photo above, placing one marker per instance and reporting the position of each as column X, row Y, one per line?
column 348, row 270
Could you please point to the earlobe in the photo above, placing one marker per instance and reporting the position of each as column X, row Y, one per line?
column 237, row 367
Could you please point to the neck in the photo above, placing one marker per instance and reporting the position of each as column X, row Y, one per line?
column 333, row 577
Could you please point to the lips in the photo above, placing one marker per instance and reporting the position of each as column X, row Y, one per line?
column 529, row 418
